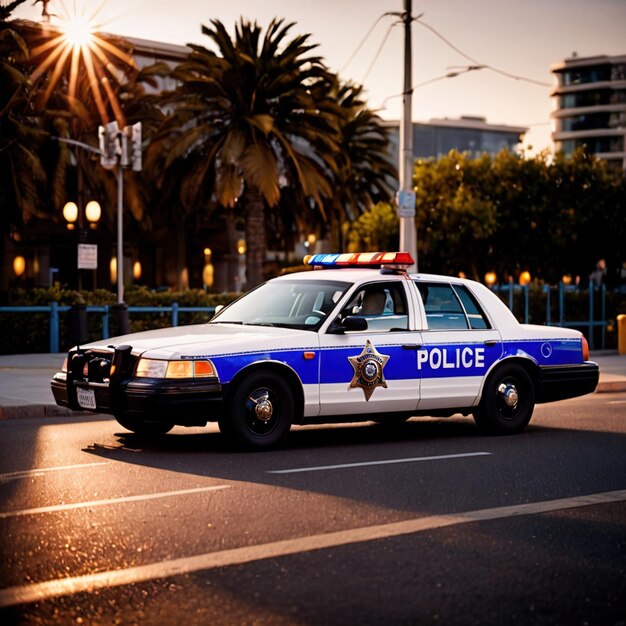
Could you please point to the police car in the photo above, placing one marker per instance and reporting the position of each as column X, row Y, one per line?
column 360, row 340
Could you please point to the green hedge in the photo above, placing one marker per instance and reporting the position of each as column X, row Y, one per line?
column 30, row 332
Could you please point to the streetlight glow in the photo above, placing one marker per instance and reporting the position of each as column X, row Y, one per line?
column 93, row 212
column 70, row 213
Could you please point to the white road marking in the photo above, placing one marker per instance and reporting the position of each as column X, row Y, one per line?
column 416, row 459
column 43, row 470
column 36, row 592
column 83, row 505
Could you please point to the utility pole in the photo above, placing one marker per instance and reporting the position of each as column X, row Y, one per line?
column 406, row 195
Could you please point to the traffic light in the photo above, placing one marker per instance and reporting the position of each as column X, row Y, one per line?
column 110, row 148
column 134, row 136
column 123, row 147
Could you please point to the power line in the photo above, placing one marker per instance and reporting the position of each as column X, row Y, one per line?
column 369, row 32
column 380, row 48
column 485, row 65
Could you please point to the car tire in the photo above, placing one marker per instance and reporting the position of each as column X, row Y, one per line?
column 261, row 411
column 143, row 427
column 507, row 402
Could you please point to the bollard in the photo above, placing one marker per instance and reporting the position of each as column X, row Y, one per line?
column 77, row 325
column 119, row 313
column 621, row 334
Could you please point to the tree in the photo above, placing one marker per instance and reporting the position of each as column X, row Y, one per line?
column 455, row 214
column 375, row 230
column 508, row 214
column 249, row 121
column 364, row 176
column 21, row 169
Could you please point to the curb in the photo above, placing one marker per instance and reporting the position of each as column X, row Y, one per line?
column 38, row 410
column 611, row 386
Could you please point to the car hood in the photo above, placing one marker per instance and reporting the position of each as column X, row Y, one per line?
column 207, row 340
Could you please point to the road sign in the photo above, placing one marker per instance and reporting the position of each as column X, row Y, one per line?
column 406, row 203
column 87, row 256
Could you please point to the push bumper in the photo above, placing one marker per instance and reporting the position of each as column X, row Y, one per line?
column 569, row 381
column 187, row 402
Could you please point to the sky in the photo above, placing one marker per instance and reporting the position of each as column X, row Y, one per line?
column 355, row 38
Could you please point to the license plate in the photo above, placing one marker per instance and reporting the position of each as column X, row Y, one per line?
column 86, row 398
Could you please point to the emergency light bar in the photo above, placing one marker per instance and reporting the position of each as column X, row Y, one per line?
column 397, row 260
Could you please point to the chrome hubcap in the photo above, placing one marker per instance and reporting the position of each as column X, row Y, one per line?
column 263, row 409
column 509, row 395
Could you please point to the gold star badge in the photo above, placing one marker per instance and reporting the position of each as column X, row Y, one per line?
column 368, row 370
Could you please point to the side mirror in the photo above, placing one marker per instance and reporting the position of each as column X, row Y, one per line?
column 350, row 323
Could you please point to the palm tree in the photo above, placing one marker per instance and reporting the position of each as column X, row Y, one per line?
column 365, row 175
column 21, row 170
column 250, row 121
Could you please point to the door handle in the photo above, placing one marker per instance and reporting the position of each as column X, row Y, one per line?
column 411, row 346
column 491, row 342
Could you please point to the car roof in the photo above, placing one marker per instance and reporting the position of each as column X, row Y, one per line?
column 357, row 275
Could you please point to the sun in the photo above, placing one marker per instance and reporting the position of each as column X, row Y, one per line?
column 78, row 31
column 75, row 50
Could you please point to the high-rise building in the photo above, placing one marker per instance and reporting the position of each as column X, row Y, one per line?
column 590, row 106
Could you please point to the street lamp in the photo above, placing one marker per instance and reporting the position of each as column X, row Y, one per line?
column 92, row 213
column 87, row 253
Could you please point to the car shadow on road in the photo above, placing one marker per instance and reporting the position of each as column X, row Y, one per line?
column 334, row 460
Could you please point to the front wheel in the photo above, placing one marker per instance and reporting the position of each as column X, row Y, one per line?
column 507, row 402
column 143, row 427
column 261, row 411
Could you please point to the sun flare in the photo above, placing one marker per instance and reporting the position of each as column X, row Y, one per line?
column 78, row 52
column 77, row 31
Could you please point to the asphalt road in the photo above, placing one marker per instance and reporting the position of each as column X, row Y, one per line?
column 426, row 523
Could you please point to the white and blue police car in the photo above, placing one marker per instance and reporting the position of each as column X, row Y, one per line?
column 361, row 340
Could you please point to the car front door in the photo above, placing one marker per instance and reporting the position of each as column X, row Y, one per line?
column 372, row 369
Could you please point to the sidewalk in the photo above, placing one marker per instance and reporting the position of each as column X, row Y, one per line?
column 25, row 382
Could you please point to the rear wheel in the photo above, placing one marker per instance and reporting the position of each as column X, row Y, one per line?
column 144, row 427
column 507, row 402
column 261, row 411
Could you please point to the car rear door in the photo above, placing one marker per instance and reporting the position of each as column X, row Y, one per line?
column 459, row 345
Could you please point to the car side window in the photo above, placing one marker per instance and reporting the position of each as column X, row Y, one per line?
column 475, row 315
column 383, row 305
column 451, row 307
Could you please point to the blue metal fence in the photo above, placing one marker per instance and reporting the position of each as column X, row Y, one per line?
column 596, row 308
column 54, row 309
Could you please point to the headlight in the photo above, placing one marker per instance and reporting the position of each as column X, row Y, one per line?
column 152, row 368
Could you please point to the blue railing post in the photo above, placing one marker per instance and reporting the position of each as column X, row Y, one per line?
column 105, row 323
column 591, row 297
column 54, row 327
column 526, row 304
column 174, row 313
column 603, row 314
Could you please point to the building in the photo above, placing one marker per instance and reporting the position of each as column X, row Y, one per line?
column 473, row 135
column 590, row 106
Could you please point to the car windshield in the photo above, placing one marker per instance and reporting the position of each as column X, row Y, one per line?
column 299, row 304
